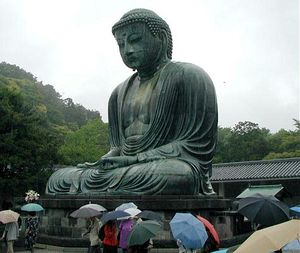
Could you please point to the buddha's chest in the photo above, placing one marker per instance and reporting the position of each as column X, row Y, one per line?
column 138, row 102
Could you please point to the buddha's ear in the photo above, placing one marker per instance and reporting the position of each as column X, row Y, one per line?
column 164, row 38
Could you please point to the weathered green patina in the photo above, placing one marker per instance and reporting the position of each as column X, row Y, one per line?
column 162, row 121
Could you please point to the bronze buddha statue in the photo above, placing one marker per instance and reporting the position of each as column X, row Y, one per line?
column 162, row 121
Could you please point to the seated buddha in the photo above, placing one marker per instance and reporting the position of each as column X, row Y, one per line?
column 162, row 121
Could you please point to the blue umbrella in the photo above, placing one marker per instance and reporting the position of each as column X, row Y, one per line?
column 32, row 207
column 295, row 211
column 189, row 230
column 220, row 251
column 293, row 245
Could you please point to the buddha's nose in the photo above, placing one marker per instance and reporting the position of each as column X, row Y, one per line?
column 128, row 49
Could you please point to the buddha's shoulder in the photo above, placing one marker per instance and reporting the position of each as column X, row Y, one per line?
column 123, row 84
column 188, row 69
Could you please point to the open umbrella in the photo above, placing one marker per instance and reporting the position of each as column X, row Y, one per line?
column 142, row 232
column 88, row 210
column 264, row 210
column 8, row 216
column 271, row 238
column 211, row 229
column 113, row 215
column 94, row 206
column 189, row 230
column 133, row 211
column 149, row 215
column 227, row 250
column 220, row 251
column 125, row 206
column 295, row 211
column 32, row 207
column 292, row 247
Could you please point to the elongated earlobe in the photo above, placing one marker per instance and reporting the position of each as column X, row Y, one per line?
column 164, row 38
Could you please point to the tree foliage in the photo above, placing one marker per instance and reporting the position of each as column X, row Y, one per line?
column 246, row 141
column 224, row 135
column 34, row 123
column 285, row 144
column 88, row 143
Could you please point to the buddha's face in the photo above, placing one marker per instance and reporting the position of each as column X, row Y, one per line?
column 139, row 49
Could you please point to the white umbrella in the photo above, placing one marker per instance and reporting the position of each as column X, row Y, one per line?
column 89, row 210
column 95, row 207
column 125, row 206
column 133, row 211
column 8, row 216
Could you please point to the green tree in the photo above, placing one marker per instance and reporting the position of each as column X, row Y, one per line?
column 13, row 71
column 88, row 143
column 34, row 123
column 285, row 144
column 224, row 134
column 247, row 142
column 28, row 142
column 59, row 111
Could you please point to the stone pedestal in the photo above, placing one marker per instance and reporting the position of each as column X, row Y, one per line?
column 58, row 228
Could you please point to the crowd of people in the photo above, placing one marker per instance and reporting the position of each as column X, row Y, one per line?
column 113, row 235
column 106, row 238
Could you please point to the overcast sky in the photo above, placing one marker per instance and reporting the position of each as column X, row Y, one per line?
column 249, row 48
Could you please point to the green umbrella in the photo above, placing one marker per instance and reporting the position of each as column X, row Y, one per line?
column 142, row 232
column 32, row 207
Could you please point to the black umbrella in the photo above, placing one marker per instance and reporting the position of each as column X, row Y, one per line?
column 113, row 215
column 149, row 215
column 264, row 210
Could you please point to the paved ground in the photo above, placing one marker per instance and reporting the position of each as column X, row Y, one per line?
column 49, row 249
column 42, row 248
column 53, row 249
column 38, row 251
column 76, row 250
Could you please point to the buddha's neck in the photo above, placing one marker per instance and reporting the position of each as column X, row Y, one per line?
column 146, row 74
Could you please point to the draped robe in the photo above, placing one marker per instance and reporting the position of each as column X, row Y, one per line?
column 174, row 154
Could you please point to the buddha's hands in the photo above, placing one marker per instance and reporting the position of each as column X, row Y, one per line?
column 109, row 163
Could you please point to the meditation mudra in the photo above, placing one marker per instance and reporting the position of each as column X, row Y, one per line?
column 162, row 121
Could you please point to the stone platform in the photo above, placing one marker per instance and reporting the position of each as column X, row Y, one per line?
column 59, row 229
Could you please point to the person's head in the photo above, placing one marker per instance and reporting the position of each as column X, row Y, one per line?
column 32, row 214
column 111, row 223
column 92, row 219
column 144, row 39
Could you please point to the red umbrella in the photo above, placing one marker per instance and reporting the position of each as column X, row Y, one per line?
column 211, row 229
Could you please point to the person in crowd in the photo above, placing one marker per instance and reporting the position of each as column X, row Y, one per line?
column 110, row 241
column 182, row 249
column 144, row 248
column 31, row 230
column 93, row 231
column 124, row 231
column 10, row 235
column 210, row 244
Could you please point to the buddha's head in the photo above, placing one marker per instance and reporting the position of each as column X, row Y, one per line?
column 144, row 39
